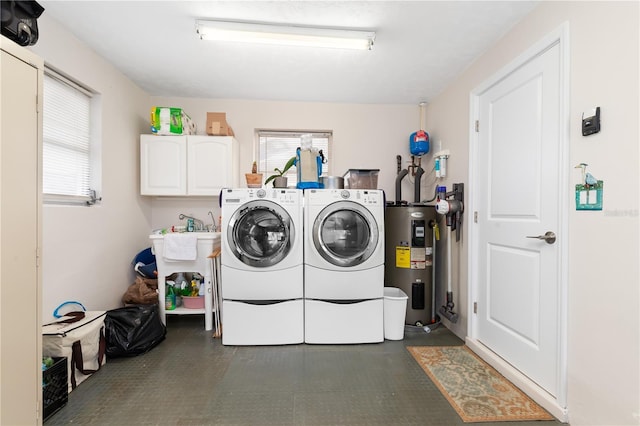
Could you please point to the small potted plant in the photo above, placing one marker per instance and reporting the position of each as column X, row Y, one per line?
column 279, row 179
column 254, row 178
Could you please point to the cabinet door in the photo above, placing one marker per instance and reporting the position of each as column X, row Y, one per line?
column 20, row 200
column 212, row 164
column 163, row 165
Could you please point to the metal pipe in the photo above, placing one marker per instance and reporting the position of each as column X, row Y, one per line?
column 434, row 224
column 213, row 221
column 399, row 178
column 416, row 196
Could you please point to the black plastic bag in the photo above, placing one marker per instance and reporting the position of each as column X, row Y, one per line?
column 133, row 330
column 19, row 21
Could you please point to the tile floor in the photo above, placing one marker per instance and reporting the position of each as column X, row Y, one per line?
column 192, row 379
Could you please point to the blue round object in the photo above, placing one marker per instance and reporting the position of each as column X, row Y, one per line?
column 419, row 143
column 148, row 263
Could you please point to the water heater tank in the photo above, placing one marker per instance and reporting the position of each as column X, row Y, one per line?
column 409, row 258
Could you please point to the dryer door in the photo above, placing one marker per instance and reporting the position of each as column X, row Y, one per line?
column 260, row 233
column 345, row 233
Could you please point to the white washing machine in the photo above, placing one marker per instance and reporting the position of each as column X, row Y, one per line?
column 344, row 265
column 262, row 266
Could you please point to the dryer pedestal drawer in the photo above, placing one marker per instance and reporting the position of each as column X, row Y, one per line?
column 330, row 322
column 246, row 323
column 347, row 284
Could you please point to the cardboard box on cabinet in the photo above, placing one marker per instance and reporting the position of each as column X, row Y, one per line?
column 217, row 124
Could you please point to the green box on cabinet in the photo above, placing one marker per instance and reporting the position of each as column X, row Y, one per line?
column 171, row 121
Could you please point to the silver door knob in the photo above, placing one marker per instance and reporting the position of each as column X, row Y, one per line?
column 548, row 236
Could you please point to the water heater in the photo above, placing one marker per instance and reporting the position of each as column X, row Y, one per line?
column 409, row 257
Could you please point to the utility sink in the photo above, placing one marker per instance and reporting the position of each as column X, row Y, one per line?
column 200, row 234
column 206, row 244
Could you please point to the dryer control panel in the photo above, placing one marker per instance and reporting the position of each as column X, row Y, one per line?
column 370, row 197
column 361, row 196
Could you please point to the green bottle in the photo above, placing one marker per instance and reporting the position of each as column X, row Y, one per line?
column 170, row 298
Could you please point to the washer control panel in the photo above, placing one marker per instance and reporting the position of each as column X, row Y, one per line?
column 287, row 196
column 280, row 195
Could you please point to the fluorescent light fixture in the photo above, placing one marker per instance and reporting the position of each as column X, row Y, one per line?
column 249, row 32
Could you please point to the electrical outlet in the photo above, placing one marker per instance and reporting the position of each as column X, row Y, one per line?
column 589, row 197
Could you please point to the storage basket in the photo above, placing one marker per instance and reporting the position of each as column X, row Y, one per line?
column 361, row 179
column 193, row 302
column 55, row 392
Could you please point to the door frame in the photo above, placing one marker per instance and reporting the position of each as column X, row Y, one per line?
column 557, row 406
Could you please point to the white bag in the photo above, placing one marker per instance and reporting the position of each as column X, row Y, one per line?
column 82, row 342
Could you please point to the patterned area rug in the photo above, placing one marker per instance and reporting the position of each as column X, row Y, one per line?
column 473, row 388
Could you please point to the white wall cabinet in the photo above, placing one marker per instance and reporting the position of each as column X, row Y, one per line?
column 21, row 235
column 188, row 165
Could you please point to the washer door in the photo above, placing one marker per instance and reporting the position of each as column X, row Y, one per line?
column 345, row 233
column 260, row 234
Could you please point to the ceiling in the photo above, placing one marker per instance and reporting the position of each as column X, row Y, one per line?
column 420, row 47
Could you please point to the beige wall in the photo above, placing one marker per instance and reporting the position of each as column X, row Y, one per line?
column 603, row 307
column 87, row 250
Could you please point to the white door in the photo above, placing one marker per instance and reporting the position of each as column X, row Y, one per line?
column 518, row 196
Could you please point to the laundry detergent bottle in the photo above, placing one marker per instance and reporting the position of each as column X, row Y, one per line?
column 170, row 297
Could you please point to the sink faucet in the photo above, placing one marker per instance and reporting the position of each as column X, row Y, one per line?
column 214, row 228
column 199, row 225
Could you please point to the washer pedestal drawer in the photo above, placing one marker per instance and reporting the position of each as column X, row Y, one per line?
column 356, row 322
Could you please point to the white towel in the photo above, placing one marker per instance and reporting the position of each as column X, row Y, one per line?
column 180, row 246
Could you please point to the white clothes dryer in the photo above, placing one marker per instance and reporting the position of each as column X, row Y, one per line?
column 344, row 265
column 262, row 266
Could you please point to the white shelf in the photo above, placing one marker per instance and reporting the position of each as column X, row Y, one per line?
column 187, row 311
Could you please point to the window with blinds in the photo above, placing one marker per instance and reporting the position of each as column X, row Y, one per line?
column 277, row 147
column 67, row 142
